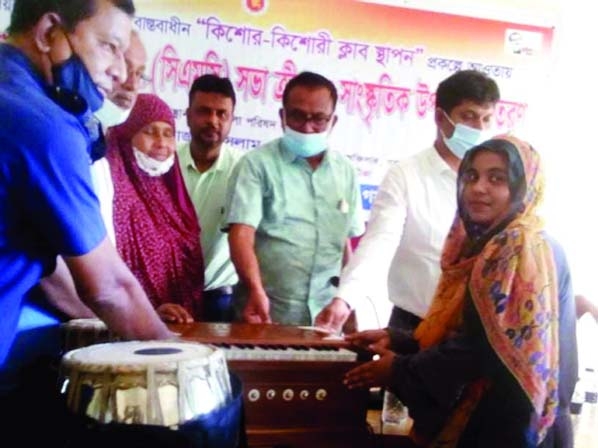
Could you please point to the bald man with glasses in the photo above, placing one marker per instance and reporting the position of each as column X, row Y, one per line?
column 292, row 206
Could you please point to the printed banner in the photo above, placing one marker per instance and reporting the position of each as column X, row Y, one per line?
column 385, row 61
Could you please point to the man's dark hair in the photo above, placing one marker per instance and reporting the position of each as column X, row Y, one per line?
column 464, row 85
column 311, row 80
column 26, row 13
column 213, row 84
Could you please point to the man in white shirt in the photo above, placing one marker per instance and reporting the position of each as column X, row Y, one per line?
column 206, row 163
column 114, row 111
column 414, row 209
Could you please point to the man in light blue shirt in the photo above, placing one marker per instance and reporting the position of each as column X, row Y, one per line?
column 206, row 163
column 292, row 206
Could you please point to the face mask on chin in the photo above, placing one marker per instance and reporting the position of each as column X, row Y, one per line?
column 464, row 137
column 112, row 115
column 150, row 166
column 305, row 145
column 73, row 83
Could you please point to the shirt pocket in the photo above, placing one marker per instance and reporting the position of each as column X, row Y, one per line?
column 334, row 223
column 274, row 206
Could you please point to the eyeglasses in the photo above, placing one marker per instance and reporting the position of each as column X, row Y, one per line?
column 299, row 118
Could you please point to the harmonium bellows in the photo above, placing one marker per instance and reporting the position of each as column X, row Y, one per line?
column 292, row 383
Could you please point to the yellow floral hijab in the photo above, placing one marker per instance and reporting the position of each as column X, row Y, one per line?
column 511, row 278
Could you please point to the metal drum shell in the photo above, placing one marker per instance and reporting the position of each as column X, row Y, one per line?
column 146, row 382
column 83, row 332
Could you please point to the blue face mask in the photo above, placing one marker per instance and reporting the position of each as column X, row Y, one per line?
column 464, row 138
column 305, row 145
column 73, row 78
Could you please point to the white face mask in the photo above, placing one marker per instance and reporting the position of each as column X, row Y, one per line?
column 111, row 115
column 150, row 166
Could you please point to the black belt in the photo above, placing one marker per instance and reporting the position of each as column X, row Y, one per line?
column 218, row 291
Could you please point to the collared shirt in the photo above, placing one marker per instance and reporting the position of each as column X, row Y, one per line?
column 302, row 218
column 208, row 193
column 47, row 203
column 104, row 189
column 412, row 213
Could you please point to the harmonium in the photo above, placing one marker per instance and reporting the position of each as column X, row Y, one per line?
column 292, row 378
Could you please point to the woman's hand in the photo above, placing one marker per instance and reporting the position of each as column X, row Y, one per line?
column 174, row 313
column 373, row 373
column 365, row 339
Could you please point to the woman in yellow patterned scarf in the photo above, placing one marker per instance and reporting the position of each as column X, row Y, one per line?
column 482, row 368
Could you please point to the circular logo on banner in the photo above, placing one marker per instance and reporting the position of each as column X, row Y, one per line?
column 255, row 6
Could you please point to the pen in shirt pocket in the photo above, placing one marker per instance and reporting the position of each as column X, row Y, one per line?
column 343, row 206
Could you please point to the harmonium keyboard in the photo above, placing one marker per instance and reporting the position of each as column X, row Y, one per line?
column 292, row 378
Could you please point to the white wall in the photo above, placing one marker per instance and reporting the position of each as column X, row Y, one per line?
column 568, row 131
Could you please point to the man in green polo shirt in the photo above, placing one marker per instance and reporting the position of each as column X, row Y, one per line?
column 206, row 163
column 292, row 206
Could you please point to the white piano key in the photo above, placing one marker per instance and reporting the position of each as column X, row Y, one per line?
column 246, row 352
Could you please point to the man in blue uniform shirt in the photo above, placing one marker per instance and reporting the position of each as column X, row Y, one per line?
column 60, row 60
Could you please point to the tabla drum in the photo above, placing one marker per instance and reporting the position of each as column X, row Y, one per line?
column 78, row 333
column 146, row 382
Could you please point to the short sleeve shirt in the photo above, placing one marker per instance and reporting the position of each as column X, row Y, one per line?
column 208, row 193
column 47, row 203
column 302, row 218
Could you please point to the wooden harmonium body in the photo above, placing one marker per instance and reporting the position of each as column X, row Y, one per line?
column 292, row 383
